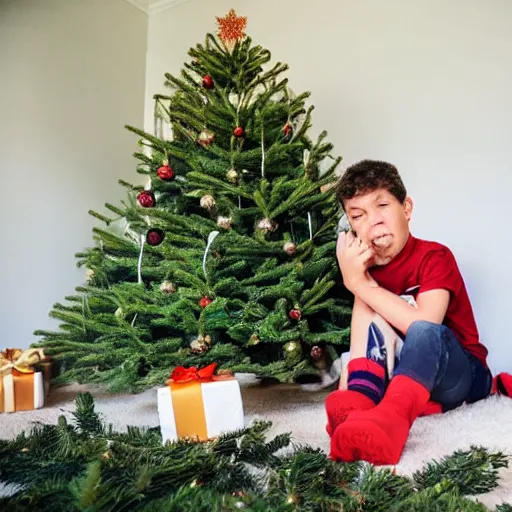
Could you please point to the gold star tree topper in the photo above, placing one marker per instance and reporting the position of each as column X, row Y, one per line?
column 231, row 28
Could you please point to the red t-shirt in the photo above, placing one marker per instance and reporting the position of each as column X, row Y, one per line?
column 423, row 266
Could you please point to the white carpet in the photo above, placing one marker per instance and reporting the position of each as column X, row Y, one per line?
column 291, row 409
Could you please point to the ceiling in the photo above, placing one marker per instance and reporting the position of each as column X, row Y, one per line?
column 152, row 6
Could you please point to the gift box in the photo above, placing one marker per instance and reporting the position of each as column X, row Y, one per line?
column 200, row 405
column 21, row 381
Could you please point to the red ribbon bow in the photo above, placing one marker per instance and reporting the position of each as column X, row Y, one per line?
column 181, row 374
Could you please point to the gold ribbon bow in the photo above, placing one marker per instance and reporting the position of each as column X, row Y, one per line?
column 20, row 360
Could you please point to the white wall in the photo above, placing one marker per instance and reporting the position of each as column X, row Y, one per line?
column 72, row 73
column 424, row 84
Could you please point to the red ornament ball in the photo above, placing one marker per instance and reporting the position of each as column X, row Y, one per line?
column 154, row 237
column 208, row 82
column 238, row 132
column 316, row 353
column 287, row 128
column 165, row 173
column 295, row 314
column 204, row 301
column 146, row 199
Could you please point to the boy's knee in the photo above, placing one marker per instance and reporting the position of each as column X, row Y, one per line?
column 424, row 328
column 424, row 333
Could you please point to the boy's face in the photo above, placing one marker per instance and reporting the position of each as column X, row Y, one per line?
column 381, row 222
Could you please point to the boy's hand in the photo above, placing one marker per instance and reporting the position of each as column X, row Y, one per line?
column 354, row 258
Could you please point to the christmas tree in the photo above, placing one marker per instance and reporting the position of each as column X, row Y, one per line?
column 89, row 466
column 227, row 253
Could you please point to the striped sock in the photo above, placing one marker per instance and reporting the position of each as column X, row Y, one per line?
column 367, row 375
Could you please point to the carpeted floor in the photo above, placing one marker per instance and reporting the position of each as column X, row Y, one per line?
column 292, row 409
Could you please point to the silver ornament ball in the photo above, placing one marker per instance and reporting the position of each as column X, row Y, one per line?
column 224, row 222
column 167, row 287
column 207, row 201
column 289, row 248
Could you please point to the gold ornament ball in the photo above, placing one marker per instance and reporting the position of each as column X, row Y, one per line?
column 292, row 350
column 291, row 346
column 292, row 500
column 198, row 347
column 89, row 274
column 254, row 340
column 201, row 344
column 119, row 313
column 232, row 175
column 289, row 248
column 207, row 201
column 167, row 287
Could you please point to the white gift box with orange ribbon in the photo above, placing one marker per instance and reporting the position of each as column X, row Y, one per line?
column 200, row 408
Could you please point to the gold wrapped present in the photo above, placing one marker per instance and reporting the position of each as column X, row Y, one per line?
column 21, row 384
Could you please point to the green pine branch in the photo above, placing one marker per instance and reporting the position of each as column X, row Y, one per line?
column 87, row 465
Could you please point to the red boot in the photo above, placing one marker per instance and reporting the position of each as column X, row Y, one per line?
column 379, row 435
column 340, row 403
column 432, row 408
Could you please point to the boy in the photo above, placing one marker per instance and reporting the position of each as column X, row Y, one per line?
column 442, row 360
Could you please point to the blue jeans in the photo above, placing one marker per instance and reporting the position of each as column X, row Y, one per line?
column 434, row 357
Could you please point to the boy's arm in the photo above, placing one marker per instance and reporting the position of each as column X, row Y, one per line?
column 354, row 258
column 432, row 305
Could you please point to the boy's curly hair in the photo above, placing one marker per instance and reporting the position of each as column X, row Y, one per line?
column 367, row 176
